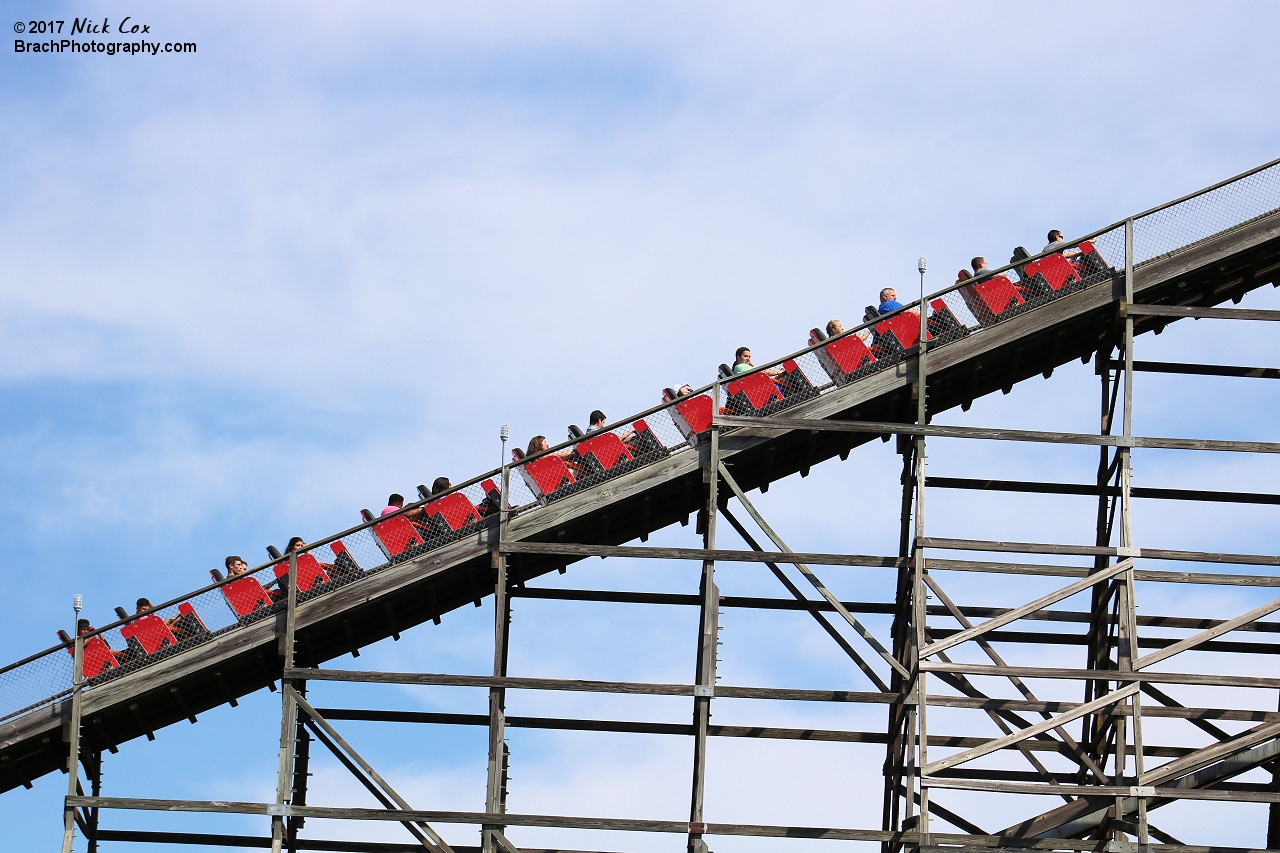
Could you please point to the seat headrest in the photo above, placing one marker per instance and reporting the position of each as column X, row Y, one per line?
column 817, row 334
column 668, row 394
column 575, row 431
column 725, row 372
column 275, row 552
column 366, row 515
column 424, row 492
column 121, row 613
column 1019, row 254
column 64, row 636
column 517, row 454
column 216, row 575
column 963, row 275
column 870, row 314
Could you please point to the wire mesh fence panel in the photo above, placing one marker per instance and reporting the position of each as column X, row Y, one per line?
column 35, row 684
column 1204, row 215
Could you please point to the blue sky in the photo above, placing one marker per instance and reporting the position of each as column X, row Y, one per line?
column 249, row 291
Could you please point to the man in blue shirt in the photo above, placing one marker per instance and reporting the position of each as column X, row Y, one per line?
column 889, row 301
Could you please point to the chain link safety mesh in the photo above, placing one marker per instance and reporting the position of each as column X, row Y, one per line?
column 966, row 308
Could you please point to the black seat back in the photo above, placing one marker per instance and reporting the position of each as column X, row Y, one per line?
column 275, row 552
column 725, row 372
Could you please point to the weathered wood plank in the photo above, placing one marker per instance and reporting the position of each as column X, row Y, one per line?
column 1097, row 551
column 632, row 687
column 1101, row 791
column 1103, row 675
column 698, row 554
column 480, row 818
column 1030, row 731
column 998, row 434
column 1200, row 313
column 1018, row 612
column 1206, row 635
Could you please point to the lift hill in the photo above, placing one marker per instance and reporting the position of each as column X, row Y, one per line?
column 640, row 475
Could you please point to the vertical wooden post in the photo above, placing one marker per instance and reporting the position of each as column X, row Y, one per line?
column 1273, row 810
column 1094, row 726
column 496, row 783
column 918, row 589
column 708, row 636
column 1129, row 613
column 73, row 738
column 301, row 769
column 288, row 714
column 94, row 768
column 901, row 718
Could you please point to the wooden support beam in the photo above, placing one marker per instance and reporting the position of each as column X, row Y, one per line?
column 253, row 842
column 176, row 693
column 1208, row 634
column 1030, row 487
column 990, row 434
column 480, row 818
column 1099, row 551
column 367, row 768
column 368, row 783
column 1106, row 675
column 1197, row 312
column 1030, row 731
column 1206, row 369
column 647, row 552
column 1081, row 571
column 631, row 687
column 811, row 606
column 1018, row 612
column 1080, row 755
column 812, row 578
column 1103, row 791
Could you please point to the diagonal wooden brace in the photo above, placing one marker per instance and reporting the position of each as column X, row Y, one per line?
column 1018, row 612
column 812, row 578
column 365, row 766
column 1206, row 635
column 1030, row 731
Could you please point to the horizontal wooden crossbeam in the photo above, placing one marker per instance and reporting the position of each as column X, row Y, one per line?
column 1031, row 487
column 699, row 554
column 1102, row 790
column 1018, row 612
column 1198, row 313
column 632, row 687
column 1201, row 369
column 1031, row 731
column 483, row 818
column 1102, row 675
column 1097, row 551
column 933, row 430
